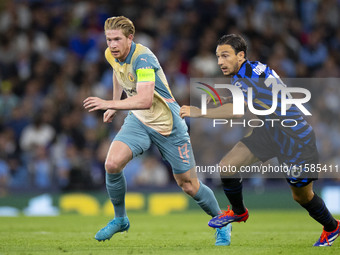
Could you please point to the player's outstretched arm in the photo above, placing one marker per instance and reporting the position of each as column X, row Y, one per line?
column 142, row 100
column 223, row 112
column 190, row 111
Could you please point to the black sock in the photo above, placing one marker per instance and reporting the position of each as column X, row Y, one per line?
column 319, row 212
column 233, row 190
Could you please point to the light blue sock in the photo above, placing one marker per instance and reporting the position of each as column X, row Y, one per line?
column 116, row 187
column 206, row 199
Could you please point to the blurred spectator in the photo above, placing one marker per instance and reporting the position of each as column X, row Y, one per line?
column 82, row 43
column 132, row 170
column 76, row 173
column 41, row 168
column 36, row 134
column 152, row 173
column 18, row 174
column 281, row 63
column 8, row 144
column 329, row 69
column 8, row 100
column 205, row 63
column 315, row 52
column 18, row 121
column 4, row 177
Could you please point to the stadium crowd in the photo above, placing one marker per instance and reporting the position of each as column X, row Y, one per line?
column 52, row 58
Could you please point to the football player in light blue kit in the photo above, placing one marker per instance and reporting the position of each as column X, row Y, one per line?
column 153, row 118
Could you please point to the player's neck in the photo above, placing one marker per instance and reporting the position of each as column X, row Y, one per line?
column 241, row 65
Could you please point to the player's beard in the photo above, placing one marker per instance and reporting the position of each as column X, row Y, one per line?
column 235, row 69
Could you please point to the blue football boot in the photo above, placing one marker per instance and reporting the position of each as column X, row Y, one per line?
column 116, row 225
column 223, row 236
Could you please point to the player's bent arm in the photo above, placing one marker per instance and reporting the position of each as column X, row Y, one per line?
column 117, row 94
column 223, row 112
column 145, row 91
column 117, row 88
column 142, row 100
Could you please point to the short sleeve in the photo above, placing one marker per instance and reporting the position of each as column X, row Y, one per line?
column 109, row 57
column 146, row 61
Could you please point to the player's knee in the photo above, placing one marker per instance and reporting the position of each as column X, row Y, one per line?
column 226, row 170
column 301, row 198
column 188, row 188
column 113, row 166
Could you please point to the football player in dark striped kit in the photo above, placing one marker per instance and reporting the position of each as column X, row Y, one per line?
column 294, row 145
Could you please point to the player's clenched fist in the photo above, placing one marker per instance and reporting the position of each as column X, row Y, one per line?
column 108, row 115
column 189, row 111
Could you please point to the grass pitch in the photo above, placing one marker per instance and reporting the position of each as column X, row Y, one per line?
column 266, row 232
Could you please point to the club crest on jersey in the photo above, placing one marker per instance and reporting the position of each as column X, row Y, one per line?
column 131, row 77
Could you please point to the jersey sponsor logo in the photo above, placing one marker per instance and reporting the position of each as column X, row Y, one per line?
column 259, row 69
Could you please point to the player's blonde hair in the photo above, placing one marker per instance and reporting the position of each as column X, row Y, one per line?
column 120, row 22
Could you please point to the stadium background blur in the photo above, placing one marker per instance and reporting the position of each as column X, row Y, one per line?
column 52, row 58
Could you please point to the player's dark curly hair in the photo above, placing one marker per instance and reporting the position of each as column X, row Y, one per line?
column 237, row 42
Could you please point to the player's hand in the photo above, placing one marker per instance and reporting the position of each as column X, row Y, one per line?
column 189, row 111
column 225, row 100
column 95, row 103
column 209, row 99
column 109, row 115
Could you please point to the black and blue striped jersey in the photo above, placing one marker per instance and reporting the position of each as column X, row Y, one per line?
column 290, row 138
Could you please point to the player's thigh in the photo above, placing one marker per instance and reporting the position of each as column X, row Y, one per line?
column 259, row 142
column 131, row 141
column 118, row 156
column 240, row 155
column 301, row 165
column 176, row 149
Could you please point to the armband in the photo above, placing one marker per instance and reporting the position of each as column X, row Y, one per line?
column 145, row 75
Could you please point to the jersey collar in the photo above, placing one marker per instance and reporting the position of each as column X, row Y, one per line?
column 129, row 56
column 240, row 70
column 243, row 64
